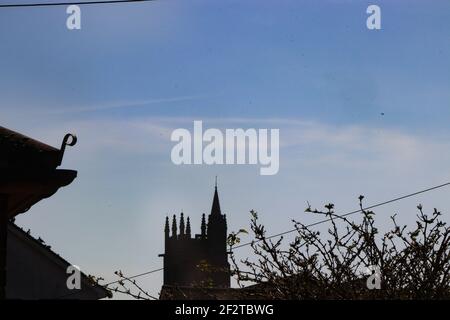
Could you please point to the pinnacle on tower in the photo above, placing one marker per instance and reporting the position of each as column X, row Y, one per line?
column 203, row 228
column 182, row 224
column 166, row 227
column 174, row 226
column 188, row 228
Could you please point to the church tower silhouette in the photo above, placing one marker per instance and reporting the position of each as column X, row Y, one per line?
column 201, row 261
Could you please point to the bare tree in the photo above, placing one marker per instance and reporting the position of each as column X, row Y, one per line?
column 352, row 260
column 124, row 285
column 407, row 264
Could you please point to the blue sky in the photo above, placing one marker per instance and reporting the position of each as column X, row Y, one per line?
column 135, row 72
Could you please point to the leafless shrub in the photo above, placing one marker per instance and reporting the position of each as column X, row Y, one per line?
column 413, row 264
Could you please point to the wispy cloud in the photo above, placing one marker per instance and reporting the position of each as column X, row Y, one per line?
column 301, row 141
column 122, row 104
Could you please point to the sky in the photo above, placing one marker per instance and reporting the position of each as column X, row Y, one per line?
column 359, row 111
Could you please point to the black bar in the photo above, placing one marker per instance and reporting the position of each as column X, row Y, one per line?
column 3, row 244
column 270, row 310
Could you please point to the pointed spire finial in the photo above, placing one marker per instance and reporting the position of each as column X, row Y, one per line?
column 215, row 209
column 216, row 183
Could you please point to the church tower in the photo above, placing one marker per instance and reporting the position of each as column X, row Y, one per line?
column 201, row 261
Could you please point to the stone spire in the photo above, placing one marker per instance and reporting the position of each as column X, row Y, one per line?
column 215, row 209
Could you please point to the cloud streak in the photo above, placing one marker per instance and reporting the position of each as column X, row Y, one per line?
column 123, row 104
column 301, row 141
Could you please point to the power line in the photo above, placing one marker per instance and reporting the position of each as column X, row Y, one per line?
column 325, row 220
column 311, row 225
column 51, row 4
column 135, row 276
column 347, row 214
column 352, row 212
column 113, row 282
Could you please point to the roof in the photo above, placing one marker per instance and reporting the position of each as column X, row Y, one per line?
column 24, row 190
column 28, row 171
column 97, row 290
column 20, row 151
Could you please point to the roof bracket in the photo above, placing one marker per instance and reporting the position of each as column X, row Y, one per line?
column 69, row 140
